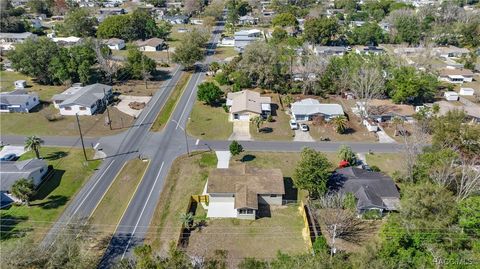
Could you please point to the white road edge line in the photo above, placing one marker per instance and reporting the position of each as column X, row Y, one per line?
column 143, row 209
column 90, row 191
column 188, row 100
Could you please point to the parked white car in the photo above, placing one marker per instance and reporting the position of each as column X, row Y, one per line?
column 293, row 124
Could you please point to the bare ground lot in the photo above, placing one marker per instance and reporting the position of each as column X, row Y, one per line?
column 261, row 238
column 22, row 124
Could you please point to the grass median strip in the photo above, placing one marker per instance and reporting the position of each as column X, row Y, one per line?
column 164, row 115
column 110, row 210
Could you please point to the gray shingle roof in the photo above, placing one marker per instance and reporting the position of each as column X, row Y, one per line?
column 13, row 171
column 372, row 189
column 17, row 97
column 311, row 106
column 87, row 96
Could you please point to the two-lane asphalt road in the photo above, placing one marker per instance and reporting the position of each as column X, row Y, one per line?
column 169, row 145
column 127, row 146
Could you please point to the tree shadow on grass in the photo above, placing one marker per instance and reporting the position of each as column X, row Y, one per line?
column 266, row 130
column 55, row 155
column 349, row 131
column 8, row 226
column 247, row 158
column 53, row 201
column 291, row 193
column 51, row 182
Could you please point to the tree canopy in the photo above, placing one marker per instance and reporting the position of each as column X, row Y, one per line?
column 209, row 93
column 78, row 22
column 410, row 85
column 137, row 25
column 321, row 30
column 312, row 172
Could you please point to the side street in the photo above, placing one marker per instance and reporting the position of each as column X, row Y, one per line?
column 239, row 134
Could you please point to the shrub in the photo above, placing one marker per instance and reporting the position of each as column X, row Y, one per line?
column 225, row 107
column 372, row 214
column 222, row 79
column 270, row 118
column 320, row 245
column 375, row 168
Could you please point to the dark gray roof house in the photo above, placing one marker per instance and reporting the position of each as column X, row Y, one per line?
column 18, row 101
column 373, row 190
column 10, row 172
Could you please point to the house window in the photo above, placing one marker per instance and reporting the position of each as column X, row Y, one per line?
column 27, row 104
column 83, row 108
column 68, row 108
column 273, row 195
column 245, row 211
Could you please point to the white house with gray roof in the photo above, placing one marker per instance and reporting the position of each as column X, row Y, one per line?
column 18, row 101
column 80, row 100
column 10, row 172
column 245, row 37
column 306, row 109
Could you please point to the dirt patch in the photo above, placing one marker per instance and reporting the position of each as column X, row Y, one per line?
column 137, row 105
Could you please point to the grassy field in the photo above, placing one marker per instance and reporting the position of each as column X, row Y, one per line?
column 45, row 92
column 279, row 129
column 208, row 122
column 186, row 177
column 70, row 172
column 21, row 124
column 164, row 114
column 387, row 162
column 261, row 238
column 118, row 196
column 222, row 53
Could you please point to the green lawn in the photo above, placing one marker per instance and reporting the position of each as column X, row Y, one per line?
column 164, row 115
column 70, row 172
column 45, row 92
column 221, row 53
column 208, row 122
column 118, row 195
column 187, row 177
column 21, row 123
column 279, row 129
column 261, row 238
column 387, row 162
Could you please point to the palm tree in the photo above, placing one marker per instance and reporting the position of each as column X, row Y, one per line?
column 34, row 143
column 345, row 153
column 23, row 189
column 340, row 124
column 258, row 121
column 187, row 219
column 397, row 121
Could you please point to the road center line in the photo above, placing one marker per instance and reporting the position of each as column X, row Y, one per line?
column 143, row 209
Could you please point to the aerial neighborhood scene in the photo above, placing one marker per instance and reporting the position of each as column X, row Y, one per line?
column 224, row 134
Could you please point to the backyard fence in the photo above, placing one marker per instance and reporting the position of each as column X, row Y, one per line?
column 310, row 229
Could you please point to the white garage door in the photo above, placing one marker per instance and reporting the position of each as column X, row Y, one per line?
column 244, row 117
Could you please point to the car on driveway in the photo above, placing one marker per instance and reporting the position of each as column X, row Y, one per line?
column 293, row 124
column 9, row 157
column 304, row 127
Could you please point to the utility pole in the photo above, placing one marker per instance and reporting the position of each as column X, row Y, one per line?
column 81, row 137
column 106, row 107
column 333, row 249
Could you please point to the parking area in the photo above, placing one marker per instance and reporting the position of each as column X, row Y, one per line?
column 303, row 136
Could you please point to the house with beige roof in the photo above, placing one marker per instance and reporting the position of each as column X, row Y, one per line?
column 247, row 104
column 238, row 191
column 152, row 44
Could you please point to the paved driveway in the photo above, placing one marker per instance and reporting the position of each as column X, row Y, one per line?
column 17, row 150
column 303, row 136
column 223, row 158
column 241, row 131
column 384, row 137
